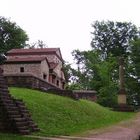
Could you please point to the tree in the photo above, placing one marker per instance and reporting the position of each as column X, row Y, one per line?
column 113, row 37
column 96, row 74
column 133, row 73
column 98, row 68
column 38, row 44
column 11, row 35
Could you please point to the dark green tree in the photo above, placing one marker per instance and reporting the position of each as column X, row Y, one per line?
column 113, row 37
column 96, row 74
column 133, row 73
column 98, row 68
column 11, row 35
column 38, row 44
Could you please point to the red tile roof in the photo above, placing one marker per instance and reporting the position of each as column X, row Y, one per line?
column 27, row 59
column 33, row 50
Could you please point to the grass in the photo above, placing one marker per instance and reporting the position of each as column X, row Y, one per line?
column 56, row 115
column 4, row 136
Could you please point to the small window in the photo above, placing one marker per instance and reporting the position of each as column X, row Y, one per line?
column 21, row 69
column 57, row 82
column 44, row 76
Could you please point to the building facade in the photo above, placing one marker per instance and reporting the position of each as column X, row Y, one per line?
column 44, row 63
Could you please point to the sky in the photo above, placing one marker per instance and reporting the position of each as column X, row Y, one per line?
column 67, row 23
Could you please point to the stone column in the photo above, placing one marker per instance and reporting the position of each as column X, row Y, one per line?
column 122, row 92
column 122, row 104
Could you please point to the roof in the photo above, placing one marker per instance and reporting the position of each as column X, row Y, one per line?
column 27, row 59
column 33, row 50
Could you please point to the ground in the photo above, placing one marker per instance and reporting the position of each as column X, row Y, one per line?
column 126, row 130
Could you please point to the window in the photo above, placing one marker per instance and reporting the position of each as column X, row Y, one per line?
column 44, row 76
column 21, row 69
column 57, row 82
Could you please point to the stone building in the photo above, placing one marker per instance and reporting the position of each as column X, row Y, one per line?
column 43, row 63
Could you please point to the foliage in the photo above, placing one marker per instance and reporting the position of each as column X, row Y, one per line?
column 95, row 73
column 113, row 37
column 67, row 71
column 57, row 115
column 11, row 35
column 38, row 44
column 74, row 86
column 133, row 73
column 98, row 68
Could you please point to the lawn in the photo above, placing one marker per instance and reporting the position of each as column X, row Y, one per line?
column 4, row 136
column 57, row 115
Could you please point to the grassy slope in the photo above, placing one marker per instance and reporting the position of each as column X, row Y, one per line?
column 4, row 136
column 58, row 115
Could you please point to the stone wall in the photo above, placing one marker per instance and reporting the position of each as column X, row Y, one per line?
column 30, row 81
column 27, row 80
column 34, row 69
column 45, row 70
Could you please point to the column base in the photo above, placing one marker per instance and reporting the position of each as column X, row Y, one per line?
column 124, row 108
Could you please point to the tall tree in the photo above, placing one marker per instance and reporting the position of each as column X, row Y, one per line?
column 11, row 35
column 133, row 73
column 96, row 74
column 98, row 68
column 38, row 44
column 113, row 37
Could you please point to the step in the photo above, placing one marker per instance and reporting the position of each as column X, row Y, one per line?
column 14, row 116
column 26, row 115
column 19, row 119
column 3, row 89
column 5, row 97
column 6, row 104
column 12, row 112
column 35, row 129
column 22, row 107
column 3, row 86
column 25, row 111
column 20, row 103
column 21, row 123
column 34, row 126
column 22, row 127
column 6, row 101
column 4, row 92
column 11, row 108
column 24, row 132
column 3, row 82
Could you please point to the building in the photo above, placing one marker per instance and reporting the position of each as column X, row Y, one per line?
column 43, row 63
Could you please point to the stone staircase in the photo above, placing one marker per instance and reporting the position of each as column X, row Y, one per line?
column 14, row 116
